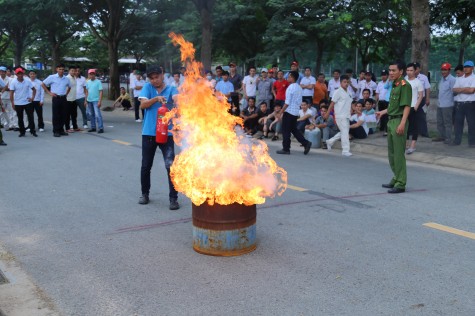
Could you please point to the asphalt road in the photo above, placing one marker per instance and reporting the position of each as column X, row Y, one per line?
column 334, row 244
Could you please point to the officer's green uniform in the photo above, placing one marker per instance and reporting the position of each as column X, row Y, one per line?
column 401, row 96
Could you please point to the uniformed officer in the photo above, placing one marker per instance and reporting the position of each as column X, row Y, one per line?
column 398, row 112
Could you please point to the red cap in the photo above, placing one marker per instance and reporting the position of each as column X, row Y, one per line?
column 91, row 71
column 271, row 71
column 446, row 66
column 294, row 63
column 18, row 70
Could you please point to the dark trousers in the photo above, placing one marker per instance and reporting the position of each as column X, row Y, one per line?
column 464, row 110
column 149, row 147
column 383, row 122
column 82, row 107
column 235, row 98
column 413, row 130
column 422, row 120
column 301, row 125
column 20, row 110
column 72, row 115
column 137, row 108
column 289, row 126
column 60, row 110
column 39, row 113
column 359, row 132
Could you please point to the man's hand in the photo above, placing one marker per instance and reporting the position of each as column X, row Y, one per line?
column 53, row 94
column 400, row 128
column 99, row 104
column 41, row 103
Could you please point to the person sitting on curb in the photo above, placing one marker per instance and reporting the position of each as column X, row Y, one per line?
column 123, row 100
column 358, row 127
column 326, row 126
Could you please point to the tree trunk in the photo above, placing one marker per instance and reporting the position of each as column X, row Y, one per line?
column 55, row 56
column 320, row 48
column 463, row 39
column 420, row 33
column 113, row 70
column 207, row 36
column 18, row 42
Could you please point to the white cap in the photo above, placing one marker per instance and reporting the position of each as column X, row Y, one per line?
column 264, row 70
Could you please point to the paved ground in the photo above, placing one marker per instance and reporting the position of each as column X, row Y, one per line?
column 334, row 244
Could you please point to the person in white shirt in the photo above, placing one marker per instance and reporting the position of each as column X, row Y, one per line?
column 380, row 98
column 421, row 118
column 308, row 84
column 358, row 127
column 305, row 115
column 21, row 100
column 341, row 103
column 416, row 107
column 334, row 83
column 9, row 118
column 353, row 84
column 249, row 84
column 81, row 95
column 38, row 101
column 72, row 112
column 293, row 99
column 136, row 86
column 176, row 82
column 367, row 84
column 464, row 87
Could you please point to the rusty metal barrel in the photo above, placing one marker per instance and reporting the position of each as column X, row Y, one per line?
column 224, row 230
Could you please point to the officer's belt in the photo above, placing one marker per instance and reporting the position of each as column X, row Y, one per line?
column 392, row 117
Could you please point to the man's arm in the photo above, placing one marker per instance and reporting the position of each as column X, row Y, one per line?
column 146, row 103
column 402, row 126
column 420, row 95
column 45, row 88
column 33, row 95
column 100, row 99
column 12, row 100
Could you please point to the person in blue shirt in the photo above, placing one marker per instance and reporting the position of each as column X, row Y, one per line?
column 153, row 94
column 225, row 86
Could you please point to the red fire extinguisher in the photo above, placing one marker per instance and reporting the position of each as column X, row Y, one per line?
column 162, row 127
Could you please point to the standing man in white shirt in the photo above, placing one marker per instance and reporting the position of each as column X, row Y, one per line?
column 60, row 87
column 380, row 97
column 334, row 83
column 81, row 95
column 290, row 110
column 9, row 117
column 249, row 84
column 341, row 104
column 37, row 100
column 21, row 101
column 136, row 86
column 72, row 114
column 464, row 87
column 446, row 105
column 369, row 84
column 416, row 106
column 421, row 118
column 308, row 84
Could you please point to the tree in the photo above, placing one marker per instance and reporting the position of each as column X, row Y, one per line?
column 205, row 8
column 455, row 16
column 111, row 21
column 16, row 23
column 420, row 32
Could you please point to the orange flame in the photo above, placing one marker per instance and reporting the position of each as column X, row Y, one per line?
column 218, row 164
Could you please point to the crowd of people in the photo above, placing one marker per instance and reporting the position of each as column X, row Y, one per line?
column 24, row 94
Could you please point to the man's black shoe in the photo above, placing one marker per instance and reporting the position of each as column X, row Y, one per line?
column 388, row 186
column 21, row 135
column 100, row 131
column 34, row 134
column 174, row 205
column 91, row 130
column 396, row 190
column 3, row 143
column 283, row 152
column 63, row 134
column 144, row 199
column 16, row 129
column 307, row 148
column 56, row 135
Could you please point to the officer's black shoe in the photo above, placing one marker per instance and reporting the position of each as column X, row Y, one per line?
column 63, row 133
column 174, row 205
column 388, row 186
column 283, row 152
column 307, row 148
column 56, row 135
column 396, row 190
column 144, row 199
column 34, row 134
column 2, row 143
column 21, row 135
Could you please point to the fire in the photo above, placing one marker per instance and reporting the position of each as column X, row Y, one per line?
column 218, row 164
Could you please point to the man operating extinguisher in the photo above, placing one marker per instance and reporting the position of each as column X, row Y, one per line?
column 156, row 98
